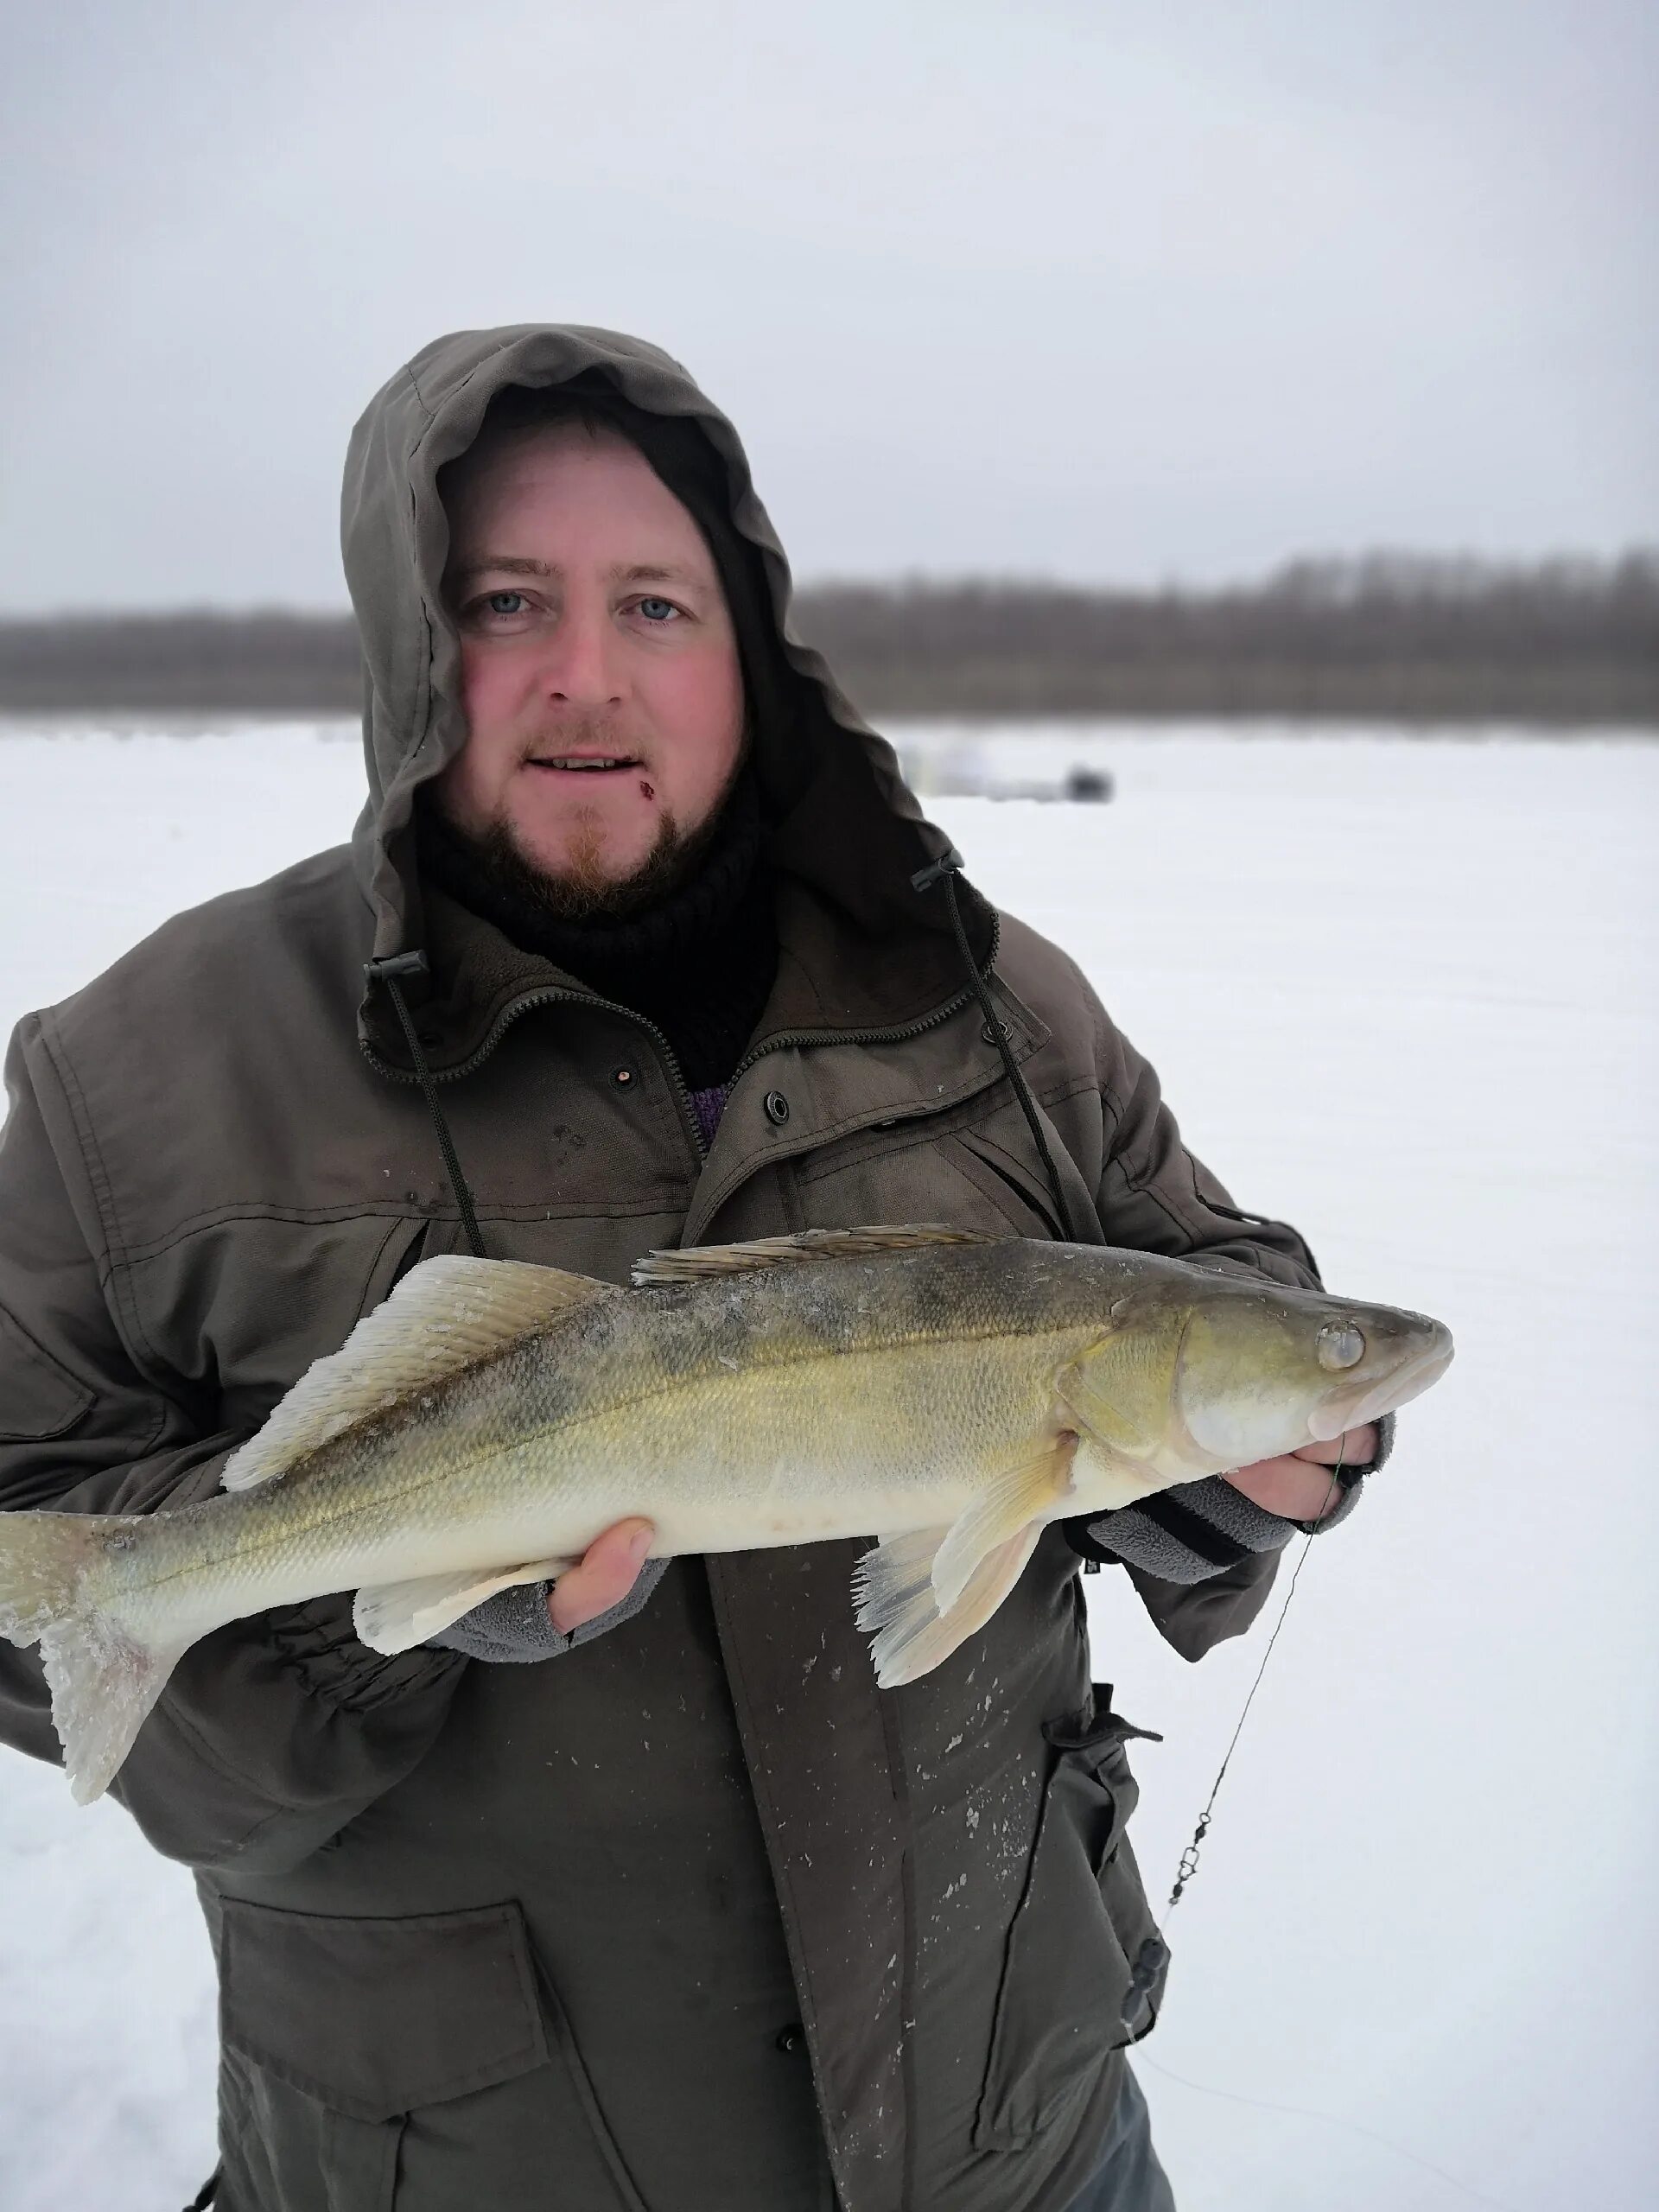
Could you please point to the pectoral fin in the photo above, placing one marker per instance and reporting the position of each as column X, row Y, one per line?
column 892, row 1585
column 1107, row 1390
column 396, row 1616
column 1033, row 1492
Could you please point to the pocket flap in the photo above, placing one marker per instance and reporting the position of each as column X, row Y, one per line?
column 38, row 1398
column 1095, row 1725
column 375, row 2017
column 1084, row 1964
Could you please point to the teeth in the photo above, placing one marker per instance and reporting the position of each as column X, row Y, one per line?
column 589, row 763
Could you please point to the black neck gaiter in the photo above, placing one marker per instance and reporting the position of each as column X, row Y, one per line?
column 698, row 965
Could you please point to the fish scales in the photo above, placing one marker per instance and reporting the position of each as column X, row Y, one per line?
column 630, row 1406
column 491, row 1419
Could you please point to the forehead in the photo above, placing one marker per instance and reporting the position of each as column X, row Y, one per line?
column 561, row 491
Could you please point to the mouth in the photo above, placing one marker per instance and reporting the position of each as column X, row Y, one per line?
column 586, row 764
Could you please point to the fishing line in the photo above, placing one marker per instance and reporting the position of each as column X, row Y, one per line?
column 1330, row 2120
column 1189, row 1866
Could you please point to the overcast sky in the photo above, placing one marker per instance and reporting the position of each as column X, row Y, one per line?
column 1105, row 289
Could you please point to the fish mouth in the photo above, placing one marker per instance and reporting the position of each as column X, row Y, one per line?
column 1383, row 1394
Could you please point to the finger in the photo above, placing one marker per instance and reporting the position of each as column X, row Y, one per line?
column 604, row 1577
column 1287, row 1486
column 1355, row 1447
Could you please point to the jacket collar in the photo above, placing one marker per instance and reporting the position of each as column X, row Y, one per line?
column 834, row 982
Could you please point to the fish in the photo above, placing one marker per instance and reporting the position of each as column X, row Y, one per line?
column 943, row 1393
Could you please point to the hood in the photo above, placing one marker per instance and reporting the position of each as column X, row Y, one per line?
column 842, row 825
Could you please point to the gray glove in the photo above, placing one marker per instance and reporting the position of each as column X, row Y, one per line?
column 1196, row 1529
column 512, row 1628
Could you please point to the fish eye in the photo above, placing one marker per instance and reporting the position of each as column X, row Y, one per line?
column 1339, row 1344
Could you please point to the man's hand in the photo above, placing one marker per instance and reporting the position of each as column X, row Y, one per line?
column 604, row 1576
column 1297, row 1486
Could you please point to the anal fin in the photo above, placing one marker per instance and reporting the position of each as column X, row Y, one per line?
column 393, row 1617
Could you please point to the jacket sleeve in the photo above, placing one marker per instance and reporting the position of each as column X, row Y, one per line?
column 275, row 1730
column 1155, row 1195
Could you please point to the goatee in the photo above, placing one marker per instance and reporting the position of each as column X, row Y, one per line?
column 579, row 890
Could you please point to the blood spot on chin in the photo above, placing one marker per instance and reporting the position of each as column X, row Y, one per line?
column 647, row 790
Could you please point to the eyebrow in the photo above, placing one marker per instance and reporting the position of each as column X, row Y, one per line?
column 509, row 564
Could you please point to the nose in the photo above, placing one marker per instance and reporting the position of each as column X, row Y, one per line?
column 584, row 668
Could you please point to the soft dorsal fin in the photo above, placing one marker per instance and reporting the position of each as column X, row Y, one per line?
column 788, row 1251
column 446, row 1314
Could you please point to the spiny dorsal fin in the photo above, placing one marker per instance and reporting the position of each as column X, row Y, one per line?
column 699, row 1260
column 446, row 1314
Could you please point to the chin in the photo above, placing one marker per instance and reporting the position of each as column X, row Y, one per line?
column 598, row 862
column 590, row 868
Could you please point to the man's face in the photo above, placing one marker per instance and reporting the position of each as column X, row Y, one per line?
column 603, row 692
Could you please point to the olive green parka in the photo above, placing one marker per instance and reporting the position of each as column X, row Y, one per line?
column 693, row 1918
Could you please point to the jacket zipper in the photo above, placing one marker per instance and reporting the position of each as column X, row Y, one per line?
column 901, row 1033
column 554, row 997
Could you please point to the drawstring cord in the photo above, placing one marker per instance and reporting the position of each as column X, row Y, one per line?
column 388, row 972
column 391, row 971
column 1154, row 1953
column 945, row 871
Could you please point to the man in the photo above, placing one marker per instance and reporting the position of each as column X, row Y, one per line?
column 631, row 1892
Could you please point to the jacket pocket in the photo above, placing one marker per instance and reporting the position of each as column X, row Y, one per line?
column 405, row 1244
column 1084, row 1966
column 39, row 1399
column 1019, row 1189
column 374, row 2064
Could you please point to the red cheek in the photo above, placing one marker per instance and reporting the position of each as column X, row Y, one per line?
column 647, row 790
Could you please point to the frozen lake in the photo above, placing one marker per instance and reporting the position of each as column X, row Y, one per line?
column 1400, row 992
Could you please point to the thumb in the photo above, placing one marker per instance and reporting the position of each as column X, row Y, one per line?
column 603, row 1577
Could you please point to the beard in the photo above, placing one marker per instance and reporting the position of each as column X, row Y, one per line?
column 580, row 889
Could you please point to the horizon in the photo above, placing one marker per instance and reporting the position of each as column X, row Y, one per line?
column 1429, row 568
column 1070, row 291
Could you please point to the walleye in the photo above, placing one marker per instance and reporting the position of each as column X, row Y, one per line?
column 947, row 1394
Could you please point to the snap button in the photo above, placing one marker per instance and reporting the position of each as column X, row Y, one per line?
column 622, row 1077
column 792, row 2038
column 990, row 1030
column 777, row 1109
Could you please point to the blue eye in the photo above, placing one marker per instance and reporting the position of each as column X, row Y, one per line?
column 505, row 602
column 658, row 610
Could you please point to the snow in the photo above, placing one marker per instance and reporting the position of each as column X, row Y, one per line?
column 1399, row 990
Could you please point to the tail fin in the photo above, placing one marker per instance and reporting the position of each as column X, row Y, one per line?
column 103, row 1679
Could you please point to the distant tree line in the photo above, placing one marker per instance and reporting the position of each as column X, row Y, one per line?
column 1387, row 637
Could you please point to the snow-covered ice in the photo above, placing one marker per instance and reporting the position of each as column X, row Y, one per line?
column 1401, row 992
